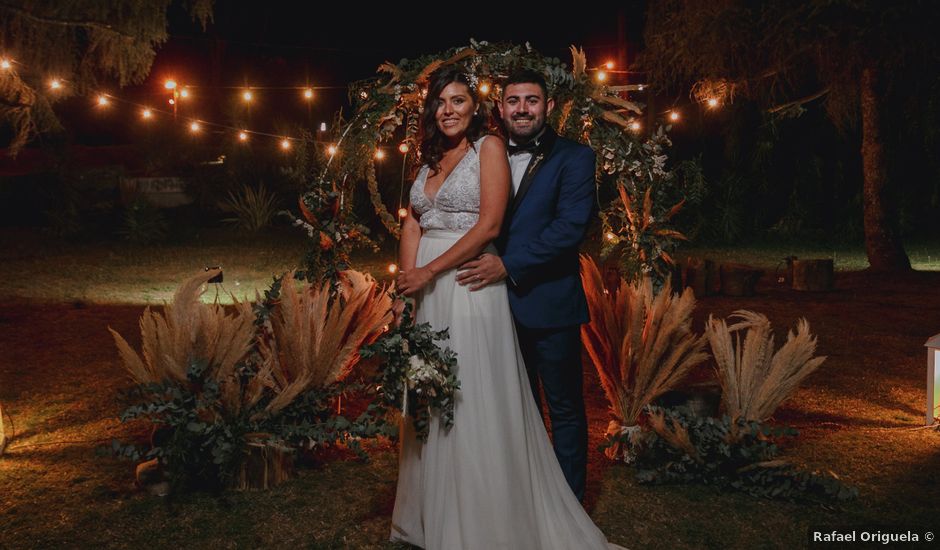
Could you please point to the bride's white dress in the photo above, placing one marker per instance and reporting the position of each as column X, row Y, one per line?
column 492, row 480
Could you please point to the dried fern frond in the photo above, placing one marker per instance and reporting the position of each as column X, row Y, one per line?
column 754, row 379
column 317, row 339
column 675, row 434
column 641, row 344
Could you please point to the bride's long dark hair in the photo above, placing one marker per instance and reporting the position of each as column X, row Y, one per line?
column 431, row 138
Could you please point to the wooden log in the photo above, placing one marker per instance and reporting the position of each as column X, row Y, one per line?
column 813, row 275
column 739, row 279
column 265, row 465
column 699, row 275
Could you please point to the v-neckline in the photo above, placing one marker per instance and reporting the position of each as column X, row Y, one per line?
column 424, row 190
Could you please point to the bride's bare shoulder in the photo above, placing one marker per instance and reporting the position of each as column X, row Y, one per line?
column 492, row 146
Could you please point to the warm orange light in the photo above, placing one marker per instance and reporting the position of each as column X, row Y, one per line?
column 194, row 127
column 674, row 115
column 601, row 76
column 308, row 93
column 379, row 154
column 403, row 148
column 171, row 101
column 285, row 144
column 484, row 88
column 55, row 84
column 331, row 150
column 102, row 100
column 146, row 113
column 184, row 93
column 609, row 65
column 635, row 126
column 712, row 102
column 610, row 236
column 640, row 87
column 392, row 268
column 247, row 96
column 5, row 64
column 402, row 212
column 243, row 136
column 364, row 94
column 170, row 84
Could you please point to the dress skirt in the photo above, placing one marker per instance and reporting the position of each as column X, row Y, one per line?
column 492, row 480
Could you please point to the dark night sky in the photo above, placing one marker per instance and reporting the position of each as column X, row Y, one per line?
column 281, row 44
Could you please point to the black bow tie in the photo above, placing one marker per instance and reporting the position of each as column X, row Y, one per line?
column 528, row 147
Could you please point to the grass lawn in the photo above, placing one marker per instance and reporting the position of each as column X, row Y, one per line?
column 860, row 415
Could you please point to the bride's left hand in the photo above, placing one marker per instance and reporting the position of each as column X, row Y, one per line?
column 411, row 281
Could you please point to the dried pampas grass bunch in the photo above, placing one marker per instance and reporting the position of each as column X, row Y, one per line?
column 189, row 330
column 754, row 379
column 641, row 344
column 316, row 337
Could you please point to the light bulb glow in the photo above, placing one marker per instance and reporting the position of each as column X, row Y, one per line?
column 485, row 88
column 331, row 150
column 673, row 116
column 55, row 84
column 403, row 148
column 635, row 126
column 172, row 101
column 601, row 76
column 247, row 96
column 102, row 100
column 402, row 212
column 285, row 144
column 170, row 84
column 610, row 236
column 308, row 93
column 184, row 93
column 194, row 127
column 392, row 268
column 609, row 65
column 712, row 102
column 243, row 136
column 379, row 154
column 146, row 113
column 5, row 64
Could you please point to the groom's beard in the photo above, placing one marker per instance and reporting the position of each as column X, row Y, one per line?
column 524, row 133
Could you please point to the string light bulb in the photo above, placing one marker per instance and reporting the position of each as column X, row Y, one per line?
column 392, row 268
column 402, row 212
column 285, row 144
column 171, row 101
column 712, row 102
column 674, row 116
column 194, row 127
column 184, row 93
column 243, row 136
column 635, row 126
column 55, row 84
column 609, row 65
column 379, row 154
column 484, row 88
column 102, row 100
column 331, row 150
column 610, row 236
column 640, row 87
column 146, row 114
column 170, row 84
column 308, row 94
column 247, row 95
column 601, row 76
column 403, row 148
column 5, row 64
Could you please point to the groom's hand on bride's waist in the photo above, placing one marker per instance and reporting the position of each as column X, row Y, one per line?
column 484, row 270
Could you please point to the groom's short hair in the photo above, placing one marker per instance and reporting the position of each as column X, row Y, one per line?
column 527, row 76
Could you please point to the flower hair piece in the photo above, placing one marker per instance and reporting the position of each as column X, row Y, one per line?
column 473, row 80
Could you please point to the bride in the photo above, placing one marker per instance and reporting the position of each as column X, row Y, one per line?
column 492, row 480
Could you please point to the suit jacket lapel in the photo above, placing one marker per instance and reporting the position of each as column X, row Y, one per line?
column 545, row 147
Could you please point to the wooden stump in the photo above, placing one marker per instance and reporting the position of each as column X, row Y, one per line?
column 699, row 275
column 812, row 275
column 265, row 465
column 739, row 279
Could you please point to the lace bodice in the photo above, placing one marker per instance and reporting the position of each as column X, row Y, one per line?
column 456, row 207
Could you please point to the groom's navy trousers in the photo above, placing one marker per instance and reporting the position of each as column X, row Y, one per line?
column 546, row 223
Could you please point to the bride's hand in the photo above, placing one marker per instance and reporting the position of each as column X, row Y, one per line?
column 411, row 281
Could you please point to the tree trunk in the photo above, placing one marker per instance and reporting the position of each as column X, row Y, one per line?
column 882, row 241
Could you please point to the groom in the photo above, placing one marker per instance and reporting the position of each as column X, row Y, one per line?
column 551, row 206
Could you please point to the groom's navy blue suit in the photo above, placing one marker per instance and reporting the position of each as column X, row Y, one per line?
column 545, row 224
